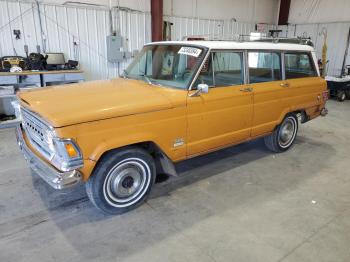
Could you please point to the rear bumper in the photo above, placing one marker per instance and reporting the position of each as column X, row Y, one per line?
column 55, row 178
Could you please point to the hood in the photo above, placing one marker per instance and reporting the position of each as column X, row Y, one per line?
column 97, row 100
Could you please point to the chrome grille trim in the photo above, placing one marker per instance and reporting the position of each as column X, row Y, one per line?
column 42, row 136
column 36, row 129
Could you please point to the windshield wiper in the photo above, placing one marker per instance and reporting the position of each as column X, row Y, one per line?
column 147, row 79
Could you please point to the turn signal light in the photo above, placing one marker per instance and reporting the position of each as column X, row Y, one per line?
column 71, row 151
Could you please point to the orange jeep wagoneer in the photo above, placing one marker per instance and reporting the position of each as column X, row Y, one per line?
column 176, row 100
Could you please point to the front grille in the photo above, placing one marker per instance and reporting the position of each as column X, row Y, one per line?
column 36, row 130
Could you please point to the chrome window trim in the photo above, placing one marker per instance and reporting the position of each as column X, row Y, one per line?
column 278, row 52
column 212, row 67
column 210, row 52
column 246, row 67
column 281, row 52
column 311, row 60
column 199, row 70
column 283, row 67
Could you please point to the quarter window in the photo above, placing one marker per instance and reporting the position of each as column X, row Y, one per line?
column 298, row 65
column 222, row 69
column 264, row 67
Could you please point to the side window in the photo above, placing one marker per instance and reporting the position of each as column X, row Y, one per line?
column 228, row 68
column 264, row 67
column 206, row 74
column 222, row 68
column 298, row 65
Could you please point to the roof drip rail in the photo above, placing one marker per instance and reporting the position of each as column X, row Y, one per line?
column 251, row 38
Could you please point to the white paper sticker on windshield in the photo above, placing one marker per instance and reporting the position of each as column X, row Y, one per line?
column 192, row 51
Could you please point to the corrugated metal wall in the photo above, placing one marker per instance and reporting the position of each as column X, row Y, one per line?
column 336, row 41
column 186, row 26
column 80, row 32
column 88, row 27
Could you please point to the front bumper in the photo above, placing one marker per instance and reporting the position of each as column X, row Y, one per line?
column 55, row 178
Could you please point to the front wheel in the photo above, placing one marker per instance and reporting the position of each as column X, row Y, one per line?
column 284, row 135
column 122, row 180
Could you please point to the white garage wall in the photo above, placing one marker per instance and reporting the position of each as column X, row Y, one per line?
column 88, row 28
column 311, row 18
column 252, row 11
column 336, row 41
column 186, row 26
column 319, row 11
column 262, row 11
column 63, row 26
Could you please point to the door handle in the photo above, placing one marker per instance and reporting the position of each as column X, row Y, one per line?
column 284, row 84
column 246, row 89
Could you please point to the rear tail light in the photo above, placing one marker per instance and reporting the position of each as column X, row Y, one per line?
column 325, row 95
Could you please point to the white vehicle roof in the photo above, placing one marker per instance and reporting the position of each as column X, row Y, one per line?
column 242, row 45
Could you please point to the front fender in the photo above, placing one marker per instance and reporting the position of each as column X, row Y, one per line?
column 118, row 142
column 162, row 128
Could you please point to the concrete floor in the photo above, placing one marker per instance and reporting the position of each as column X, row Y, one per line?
column 240, row 204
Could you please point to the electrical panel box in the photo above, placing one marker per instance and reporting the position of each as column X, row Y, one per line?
column 114, row 45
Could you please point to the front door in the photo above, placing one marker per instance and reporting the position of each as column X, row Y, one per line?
column 223, row 116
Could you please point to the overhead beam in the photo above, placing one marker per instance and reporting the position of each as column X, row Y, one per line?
column 284, row 12
column 157, row 20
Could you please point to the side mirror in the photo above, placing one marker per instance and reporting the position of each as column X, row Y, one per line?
column 201, row 88
column 204, row 88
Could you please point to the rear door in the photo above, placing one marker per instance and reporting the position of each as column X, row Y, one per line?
column 302, row 84
column 265, row 78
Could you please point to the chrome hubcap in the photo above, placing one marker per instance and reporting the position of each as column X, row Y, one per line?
column 126, row 182
column 287, row 132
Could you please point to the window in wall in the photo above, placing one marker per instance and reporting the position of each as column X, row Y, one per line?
column 298, row 65
column 223, row 68
column 264, row 67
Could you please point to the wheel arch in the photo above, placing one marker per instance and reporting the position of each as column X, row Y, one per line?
column 164, row 164
column 301, row 114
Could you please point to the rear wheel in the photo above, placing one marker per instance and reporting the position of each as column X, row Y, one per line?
column 284, row 135
column 341, row 95
column 122, row 180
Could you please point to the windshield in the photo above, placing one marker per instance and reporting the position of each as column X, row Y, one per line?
column 166, row 65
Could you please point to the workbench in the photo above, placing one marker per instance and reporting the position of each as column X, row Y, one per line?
column 40, row 78
column 32, row 79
